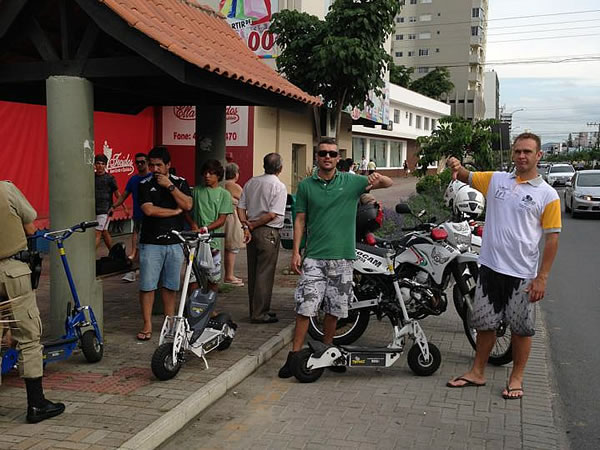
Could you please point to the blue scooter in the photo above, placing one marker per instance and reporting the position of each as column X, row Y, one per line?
column 90, row 341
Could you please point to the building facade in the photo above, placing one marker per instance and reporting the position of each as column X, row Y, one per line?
column 452, row 34
column 411, row 115
column 491, row 95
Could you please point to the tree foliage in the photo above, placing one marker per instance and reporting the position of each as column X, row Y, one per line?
column 342, row 58
column 470, row 142
column 401, row 75
column 434, row 84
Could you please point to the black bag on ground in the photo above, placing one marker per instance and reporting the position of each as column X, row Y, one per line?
column 116, row 261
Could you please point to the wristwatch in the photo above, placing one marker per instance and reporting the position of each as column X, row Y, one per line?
column 171, row 188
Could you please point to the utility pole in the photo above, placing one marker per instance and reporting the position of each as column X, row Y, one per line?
column 596, row 124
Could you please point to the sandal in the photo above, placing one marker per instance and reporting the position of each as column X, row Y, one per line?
column 506, row 395
column 144, row 335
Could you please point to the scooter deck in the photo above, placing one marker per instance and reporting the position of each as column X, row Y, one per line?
column 358, row 349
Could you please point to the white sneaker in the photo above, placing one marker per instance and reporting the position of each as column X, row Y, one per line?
column 129, row 276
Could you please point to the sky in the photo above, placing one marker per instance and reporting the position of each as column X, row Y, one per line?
column 556, row 98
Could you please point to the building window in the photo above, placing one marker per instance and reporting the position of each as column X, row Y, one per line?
column 476, row 31
column 359, row 148
column 399, row 37
column 425, row 1
column 412, row 37
column 378, row 152
column 395, row 152
column 437, row 50
column 418, row 122
column 426, row 35
column 398, row 54
column 425, row 18
column 477, row 13
column 400, row 19
column 423, row 70
column 411, row 53
column 413, row 2
column 396, row 116
column 412, row 19
column 423, row 52
column 433, row 124
column 426, row 123
column 410, row 117
column 402, row 2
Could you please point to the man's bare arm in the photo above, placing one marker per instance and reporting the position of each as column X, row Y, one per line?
column 156, row 211
column 537, row 288
column 262, row 220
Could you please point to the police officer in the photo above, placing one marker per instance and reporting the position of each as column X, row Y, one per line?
column 17, row 216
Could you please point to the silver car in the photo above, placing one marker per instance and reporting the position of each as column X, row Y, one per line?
column 559, row 174
column 582, row 194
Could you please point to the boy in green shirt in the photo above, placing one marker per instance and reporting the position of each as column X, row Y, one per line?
column 211, row 205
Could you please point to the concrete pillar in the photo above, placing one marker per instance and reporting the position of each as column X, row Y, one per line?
column 70, row 120
column 210, row 136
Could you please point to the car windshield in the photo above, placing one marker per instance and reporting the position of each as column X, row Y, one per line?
column 557, row 169
column 589, row 180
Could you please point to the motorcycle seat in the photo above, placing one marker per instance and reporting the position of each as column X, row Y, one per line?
column 383, row 252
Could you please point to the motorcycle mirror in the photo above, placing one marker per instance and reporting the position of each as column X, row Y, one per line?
column 403, row 208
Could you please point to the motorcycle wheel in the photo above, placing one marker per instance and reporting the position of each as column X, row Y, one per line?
column 298, row 367
column 348, row 330
column 417, row 363
column 501, row 354
column 91, row 347
column 162, row 365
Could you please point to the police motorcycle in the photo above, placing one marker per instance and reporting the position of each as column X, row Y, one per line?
column 193, row 329
column 423, row 358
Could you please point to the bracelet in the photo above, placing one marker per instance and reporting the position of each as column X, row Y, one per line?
column 245, row 227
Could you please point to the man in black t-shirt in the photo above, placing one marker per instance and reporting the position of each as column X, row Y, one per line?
column 163, row 198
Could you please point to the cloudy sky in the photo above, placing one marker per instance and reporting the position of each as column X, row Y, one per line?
column 557, row 98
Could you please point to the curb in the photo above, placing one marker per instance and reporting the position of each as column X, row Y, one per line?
column 167, row 425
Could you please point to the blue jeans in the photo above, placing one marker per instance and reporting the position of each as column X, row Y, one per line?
column 160, row 263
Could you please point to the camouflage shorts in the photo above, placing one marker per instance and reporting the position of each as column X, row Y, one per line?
column 327, row 282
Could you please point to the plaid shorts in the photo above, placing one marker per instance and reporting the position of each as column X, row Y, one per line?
column 327, row 282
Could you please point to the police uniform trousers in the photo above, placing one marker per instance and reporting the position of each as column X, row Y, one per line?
column 15, row 285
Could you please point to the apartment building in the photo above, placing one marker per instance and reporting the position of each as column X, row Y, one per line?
column 443, row 33
column 411, row 115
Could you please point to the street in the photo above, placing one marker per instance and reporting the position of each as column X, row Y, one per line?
column 572, row 312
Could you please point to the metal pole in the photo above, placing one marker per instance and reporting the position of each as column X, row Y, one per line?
column 70, row 121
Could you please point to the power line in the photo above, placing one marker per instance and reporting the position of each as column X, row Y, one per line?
column 411, row 25
column 542, row 24
column 545, row 38
column 512, row 33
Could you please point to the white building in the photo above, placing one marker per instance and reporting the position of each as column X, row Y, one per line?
column 411, row 115
column 491, row 95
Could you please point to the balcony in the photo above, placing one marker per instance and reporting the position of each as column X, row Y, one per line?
column 476, row 58
column 477, row 41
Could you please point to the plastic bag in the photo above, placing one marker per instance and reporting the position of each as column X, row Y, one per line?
column 204, row 258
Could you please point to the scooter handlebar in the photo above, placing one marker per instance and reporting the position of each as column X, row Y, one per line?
column 90, row 224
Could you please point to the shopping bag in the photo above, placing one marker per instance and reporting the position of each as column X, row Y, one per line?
column 204, row 258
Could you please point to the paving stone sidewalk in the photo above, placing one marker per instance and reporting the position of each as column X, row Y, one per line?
column 387, row 408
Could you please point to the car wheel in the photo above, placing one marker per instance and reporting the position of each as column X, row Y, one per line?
column 567, row 207
column 573, row 213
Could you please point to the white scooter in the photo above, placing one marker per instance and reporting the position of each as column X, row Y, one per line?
column 192, row 328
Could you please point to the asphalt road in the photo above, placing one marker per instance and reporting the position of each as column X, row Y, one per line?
column 572, row 312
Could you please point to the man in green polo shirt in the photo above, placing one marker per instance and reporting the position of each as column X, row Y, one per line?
column 326, row 206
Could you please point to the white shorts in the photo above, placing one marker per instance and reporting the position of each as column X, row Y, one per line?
column 101, row 219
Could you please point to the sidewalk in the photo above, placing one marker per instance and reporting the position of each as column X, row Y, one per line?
column 118, row 403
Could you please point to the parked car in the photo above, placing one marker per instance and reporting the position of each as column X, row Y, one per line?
column 582, row 194
column 559, row 174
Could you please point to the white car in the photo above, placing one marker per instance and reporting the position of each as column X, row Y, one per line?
column 559, row 174
column 582, row 194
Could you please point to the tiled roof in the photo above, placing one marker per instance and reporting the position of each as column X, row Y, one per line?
column 203, row 37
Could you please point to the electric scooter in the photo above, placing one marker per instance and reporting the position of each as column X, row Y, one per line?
column 192, row 329
column 424, row 358
column 78, row 317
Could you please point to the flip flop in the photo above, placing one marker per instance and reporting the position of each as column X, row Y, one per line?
column 507, row 396
column 468, row 383
column 144, row 336
column 234, row 283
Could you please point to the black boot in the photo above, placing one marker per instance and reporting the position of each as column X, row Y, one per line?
column 286, row 371
column 38, row 408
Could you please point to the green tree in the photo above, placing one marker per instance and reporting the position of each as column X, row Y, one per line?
column 342, row 58
column 401, row 75
column 470, row 142
column 434, row 84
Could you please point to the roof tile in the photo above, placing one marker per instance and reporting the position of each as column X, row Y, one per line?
column 203, row 37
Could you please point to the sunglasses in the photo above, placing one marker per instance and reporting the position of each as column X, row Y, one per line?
column 140, row 161
column 324, row 153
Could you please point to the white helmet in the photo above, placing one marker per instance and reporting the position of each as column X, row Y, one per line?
column 451, row 191
column 469, row 201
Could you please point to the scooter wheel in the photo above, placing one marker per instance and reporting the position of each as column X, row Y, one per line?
column 219, row 321
column 163, row 366
column 91, row 347
column 298, row 367
column 419, row 365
